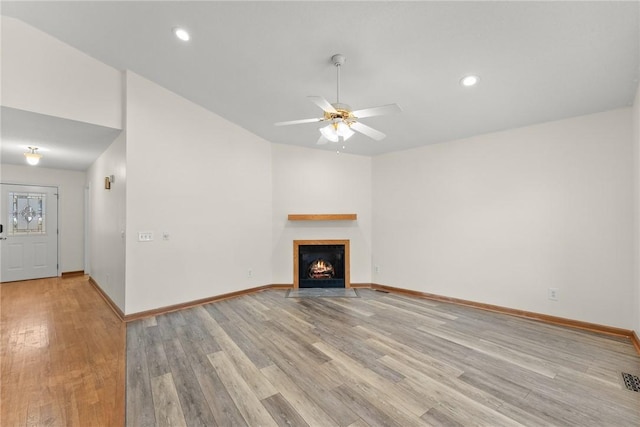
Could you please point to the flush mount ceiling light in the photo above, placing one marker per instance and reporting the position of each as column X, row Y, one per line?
column 32, row 157
column 182, row 34
column 342, row 120
column 470, row 80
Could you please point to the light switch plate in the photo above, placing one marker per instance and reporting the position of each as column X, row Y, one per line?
column 145, row 236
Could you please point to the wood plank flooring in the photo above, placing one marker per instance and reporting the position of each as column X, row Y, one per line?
column 62, row 355
column 378, row 360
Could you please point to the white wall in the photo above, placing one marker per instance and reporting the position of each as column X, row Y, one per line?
column 636, row 215
column 500, row 218
column 308, row 181
column 107, row 221
column 204, row 181
column 70, row 207
column 44, row 75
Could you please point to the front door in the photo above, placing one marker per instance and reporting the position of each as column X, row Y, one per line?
column 29, row 236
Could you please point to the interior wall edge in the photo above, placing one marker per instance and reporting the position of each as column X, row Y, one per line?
column 107, row 299
column 636, row 341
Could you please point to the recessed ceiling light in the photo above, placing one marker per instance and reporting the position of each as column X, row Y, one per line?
column 182, row 34
column 469, row 80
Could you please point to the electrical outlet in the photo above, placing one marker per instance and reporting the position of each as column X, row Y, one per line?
column 250, row 273
column 376, row 269
column 165, row 235
column 145, row 236
column 553, row 294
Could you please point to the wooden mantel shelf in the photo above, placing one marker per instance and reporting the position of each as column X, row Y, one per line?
column 323, row 217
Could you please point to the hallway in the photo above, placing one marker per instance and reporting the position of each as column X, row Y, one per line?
column 62, row 355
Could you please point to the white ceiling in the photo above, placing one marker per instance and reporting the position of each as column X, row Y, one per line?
column 63, row 143
column 255, row 63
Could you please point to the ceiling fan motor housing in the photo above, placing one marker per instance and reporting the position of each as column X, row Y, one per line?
column 343, row 112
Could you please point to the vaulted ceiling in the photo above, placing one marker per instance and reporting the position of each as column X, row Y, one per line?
column 255, row 63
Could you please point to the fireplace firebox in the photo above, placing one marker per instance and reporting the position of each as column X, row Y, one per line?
column 321, row 264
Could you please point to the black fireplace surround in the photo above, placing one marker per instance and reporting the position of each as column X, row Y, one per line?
column 321, row 266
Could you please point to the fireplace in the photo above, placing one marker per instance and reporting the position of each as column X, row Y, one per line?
column 321, row 264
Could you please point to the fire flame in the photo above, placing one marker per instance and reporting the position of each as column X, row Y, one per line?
column 321, row 269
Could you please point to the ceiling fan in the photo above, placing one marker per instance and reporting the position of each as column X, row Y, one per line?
column 342, row 120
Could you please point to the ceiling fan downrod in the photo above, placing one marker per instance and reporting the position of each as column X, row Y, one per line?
column 338, row 59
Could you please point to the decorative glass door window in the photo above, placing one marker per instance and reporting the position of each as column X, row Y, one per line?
column 27, row 213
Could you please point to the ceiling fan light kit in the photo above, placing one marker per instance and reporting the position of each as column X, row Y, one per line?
column 337, row 130
column 342, row 120
column 343, row 130
column 329, row 133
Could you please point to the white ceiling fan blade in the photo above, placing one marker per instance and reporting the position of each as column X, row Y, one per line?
column 322, row 103
column 322, row 140
column 377, row 111
column 369, row 131
column 297, row 122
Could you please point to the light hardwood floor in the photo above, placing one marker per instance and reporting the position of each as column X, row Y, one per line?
column 62, row 355
column 262, row 359
column 382, row 359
